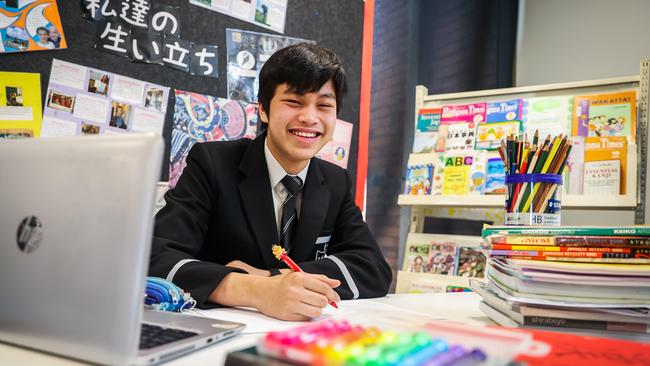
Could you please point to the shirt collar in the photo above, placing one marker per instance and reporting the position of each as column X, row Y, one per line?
column 276, row 172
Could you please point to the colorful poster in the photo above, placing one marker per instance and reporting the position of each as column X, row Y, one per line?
column 269, row 14
column 202, row 118
column 85, row 101
column 246, row 53
column 20, row 105
column 30, row 26
column 337, row 151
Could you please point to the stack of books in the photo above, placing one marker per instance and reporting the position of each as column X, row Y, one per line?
column 594, row 279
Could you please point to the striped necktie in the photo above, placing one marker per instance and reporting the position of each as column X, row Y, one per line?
column 293, row 184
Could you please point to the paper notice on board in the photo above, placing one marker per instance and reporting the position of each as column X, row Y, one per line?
column 16, row 114
column 91, row 108
column 127, row 89
column 147, row 121
column 54, row 127
column 269, row 14
column 98, row 102
column 20, row 104
column 67, row 74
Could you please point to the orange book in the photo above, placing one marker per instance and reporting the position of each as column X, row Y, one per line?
column 611, row 114
column 608, row 148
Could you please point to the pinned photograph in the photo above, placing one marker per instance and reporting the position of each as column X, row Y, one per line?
column 88, row 129
column 98, row 83
column 119, row 115
column 42, row 38
column 14, row 95
column 154, row 98
column 60, row 101
column 16, row 37
column 12, row 134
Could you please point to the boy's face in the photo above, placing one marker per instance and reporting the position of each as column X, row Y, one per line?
column 299, row 125
column 43, row 36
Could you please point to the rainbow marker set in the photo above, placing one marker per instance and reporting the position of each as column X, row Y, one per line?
column 336, row 342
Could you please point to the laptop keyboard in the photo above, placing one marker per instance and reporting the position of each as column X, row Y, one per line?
column 153, row 335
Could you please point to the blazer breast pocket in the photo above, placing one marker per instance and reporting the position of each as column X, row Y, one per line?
column 320, row 246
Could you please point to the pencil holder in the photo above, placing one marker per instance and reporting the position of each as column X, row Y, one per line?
column 533, row 199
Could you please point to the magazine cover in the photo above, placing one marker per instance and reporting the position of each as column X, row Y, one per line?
column 608, row 148
column 489, row 135
column 548, row 115
column 418, row 179
column 442, row 256
column 464, row 174
column 471, row 262
column 504, row 111
column 612, row 114
column 458, row 126
column 426, row 131
column 416, row 254
column 496, row 177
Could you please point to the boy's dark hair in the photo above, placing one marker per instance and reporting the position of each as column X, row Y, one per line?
column 305, row 67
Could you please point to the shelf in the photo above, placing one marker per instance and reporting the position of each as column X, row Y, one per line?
column 532, row 89
column 410, row 282
column 627, row 201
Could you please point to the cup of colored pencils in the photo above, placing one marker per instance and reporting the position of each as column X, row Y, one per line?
column 534, row 178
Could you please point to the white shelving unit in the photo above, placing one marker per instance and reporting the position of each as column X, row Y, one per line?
column 634, row 199
column 629, row 201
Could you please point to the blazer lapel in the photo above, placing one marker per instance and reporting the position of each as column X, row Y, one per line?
column 314, row 206
column 255, row 194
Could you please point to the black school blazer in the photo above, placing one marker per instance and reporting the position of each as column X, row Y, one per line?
column 222, row 210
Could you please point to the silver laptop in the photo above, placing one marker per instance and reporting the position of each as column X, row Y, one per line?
column 76, row 218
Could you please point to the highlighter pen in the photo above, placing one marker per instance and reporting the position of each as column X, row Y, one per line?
column 281, row 254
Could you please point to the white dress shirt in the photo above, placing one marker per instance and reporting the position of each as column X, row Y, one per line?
column 279, row 193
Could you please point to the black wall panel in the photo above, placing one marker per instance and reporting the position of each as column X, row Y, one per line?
column 336, row 24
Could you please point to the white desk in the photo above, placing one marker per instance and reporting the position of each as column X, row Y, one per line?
column 460, row 307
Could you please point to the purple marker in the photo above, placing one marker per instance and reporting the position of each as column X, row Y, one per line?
column 457, row 356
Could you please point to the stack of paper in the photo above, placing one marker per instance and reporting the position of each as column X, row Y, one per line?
column 584, row 278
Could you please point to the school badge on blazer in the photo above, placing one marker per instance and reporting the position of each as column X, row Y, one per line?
column 321, row 246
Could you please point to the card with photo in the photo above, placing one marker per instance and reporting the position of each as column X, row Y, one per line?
column 60, row 101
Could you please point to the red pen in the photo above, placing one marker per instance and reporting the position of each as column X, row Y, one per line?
column 281, row 254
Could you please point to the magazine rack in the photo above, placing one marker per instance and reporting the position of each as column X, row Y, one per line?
column 635, row 187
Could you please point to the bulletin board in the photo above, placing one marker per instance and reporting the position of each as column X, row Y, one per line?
column 335, row 24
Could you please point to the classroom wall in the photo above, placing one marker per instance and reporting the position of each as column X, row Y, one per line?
column 336, row 24
column 562, row 41
column 571, row 40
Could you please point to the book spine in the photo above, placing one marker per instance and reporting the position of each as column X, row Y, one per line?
column 544, row 321
column 605, row 241
column 521, row 240
column 582, row 259
column 569, row 249
column 626, row 253
column 569, row 231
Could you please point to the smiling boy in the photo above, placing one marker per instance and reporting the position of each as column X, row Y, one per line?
column 236, row 199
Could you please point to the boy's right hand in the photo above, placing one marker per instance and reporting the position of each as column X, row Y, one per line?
column 295, row 296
